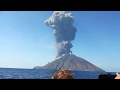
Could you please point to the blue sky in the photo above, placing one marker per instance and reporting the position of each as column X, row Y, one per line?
column 25, row 41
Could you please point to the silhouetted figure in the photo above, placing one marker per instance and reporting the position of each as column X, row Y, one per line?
column 63, row 74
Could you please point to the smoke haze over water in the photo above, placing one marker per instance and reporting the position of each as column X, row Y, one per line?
column 63, row 30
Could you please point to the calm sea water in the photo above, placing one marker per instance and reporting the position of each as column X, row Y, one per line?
column 13, row 73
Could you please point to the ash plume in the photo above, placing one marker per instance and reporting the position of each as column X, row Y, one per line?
column 63, row 30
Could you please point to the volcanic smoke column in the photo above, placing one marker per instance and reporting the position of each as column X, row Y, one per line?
column 62, row 24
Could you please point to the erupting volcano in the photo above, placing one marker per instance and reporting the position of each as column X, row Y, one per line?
column 64, row 32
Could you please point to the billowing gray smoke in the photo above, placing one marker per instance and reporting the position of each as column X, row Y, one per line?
column 62, row 24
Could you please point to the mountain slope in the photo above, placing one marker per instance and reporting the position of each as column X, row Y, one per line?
column 71, row 62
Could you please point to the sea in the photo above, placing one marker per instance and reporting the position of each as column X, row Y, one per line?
column 17, row 73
